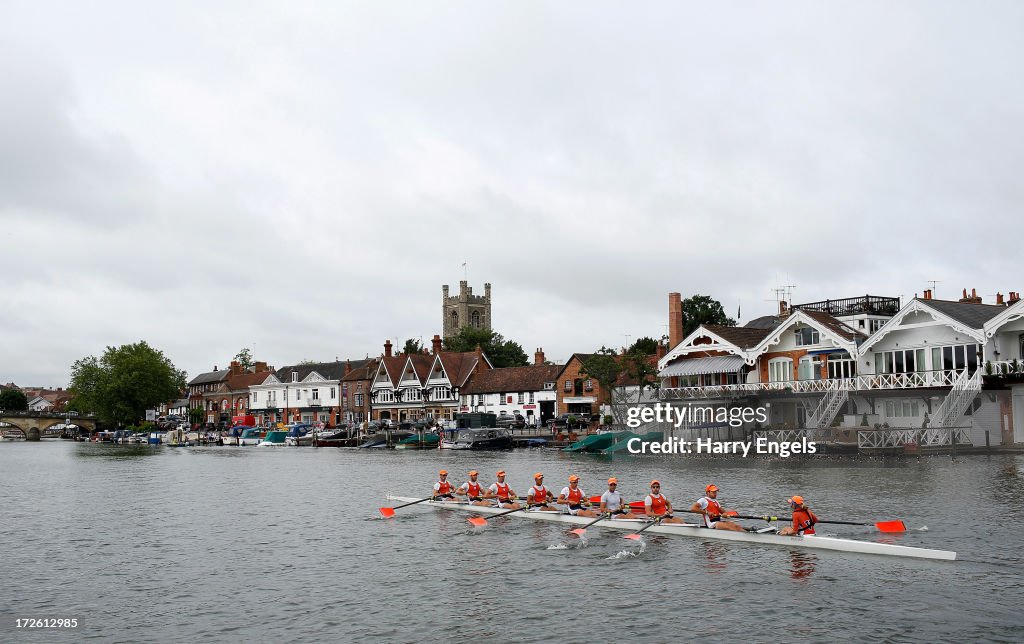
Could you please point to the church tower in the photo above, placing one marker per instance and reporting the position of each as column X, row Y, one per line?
column 465, row 309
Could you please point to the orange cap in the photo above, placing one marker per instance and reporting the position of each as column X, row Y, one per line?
column 799, row 500
column 443, row 472
column 500, row 473
column 538, row 475
column 573, row 478
column 473, row 472
column 655, row 482
column 711, row 488
column 613, row 480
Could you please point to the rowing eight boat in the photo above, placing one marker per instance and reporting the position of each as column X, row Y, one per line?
column 690, row 530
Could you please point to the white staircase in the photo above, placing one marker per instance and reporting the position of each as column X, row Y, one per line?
column 827, row 408
column 965, row 389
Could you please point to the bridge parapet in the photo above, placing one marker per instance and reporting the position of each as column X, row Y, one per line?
column 34, row 424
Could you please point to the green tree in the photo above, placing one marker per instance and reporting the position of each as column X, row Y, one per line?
column 703, row 309
column 196, row 415
column 13, row 400
column 126, row 381
column 244, row 358
column 502, row 352
column 643, row 346
column 412, row 345
column 617, row 375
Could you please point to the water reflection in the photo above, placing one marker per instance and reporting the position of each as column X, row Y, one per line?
column 116, row 452
column 715, row 552
column 802, row 564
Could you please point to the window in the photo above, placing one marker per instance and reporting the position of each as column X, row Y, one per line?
column 531, row 397
column 549, row 386
column 254, row 395
column 902, row 408
column 316, row 394
column 567, row 388
column 333, row 393
column 359, row 400
column 479, row 400
column 521, row 398
column 475, row 319
column 840, row 365
column 809, row 369
column 805, row 336
column 780, row 370
column 711, row 379
column 295, row 376
column 588, row 385
column 502, row 399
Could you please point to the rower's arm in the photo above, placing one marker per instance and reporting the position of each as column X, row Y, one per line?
column 696, row 508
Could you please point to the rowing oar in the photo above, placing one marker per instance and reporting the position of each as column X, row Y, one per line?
column 390, row 512
column 482, row 521
column 581, row 532
column 636, row 535
column 882, row 526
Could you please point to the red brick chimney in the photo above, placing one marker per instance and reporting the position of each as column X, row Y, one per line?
column 927, row 294
column 972, row 299
column 387, row 348
column 538, row 356
column 435, row 345
column 660, row 351
column 783, row 308
column 348, row 367
column 999, row 298
column 236, row 368
column 675, row 319
column 1014, row 296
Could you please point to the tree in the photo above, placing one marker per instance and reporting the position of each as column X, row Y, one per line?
column 502, row 352
column 196, row 415
column 703, row 309
column 13, row 400
column 120, row 386
column 622, row 378
column 643, row 346
column 412, row 345
column 244, row 358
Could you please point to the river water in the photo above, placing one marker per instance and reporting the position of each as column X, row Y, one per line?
column 154, row 544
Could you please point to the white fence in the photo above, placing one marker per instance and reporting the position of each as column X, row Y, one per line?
column 915, row 380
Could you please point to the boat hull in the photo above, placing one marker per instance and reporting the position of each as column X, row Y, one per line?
column 689, row 530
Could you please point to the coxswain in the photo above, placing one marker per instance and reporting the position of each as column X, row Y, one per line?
column 710, row 511
column 574, row 499
column 538, row 496
column 501, row 491
column 472, row 490
column 659, row 507
column 443, row 489
column 611, row 502
column 803, row 518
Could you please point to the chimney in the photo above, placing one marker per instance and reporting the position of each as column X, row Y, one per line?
column 783, row 309
column 215, row 368
column 387, row 349
column 236, row 368
column 538, row 356
column 927, row 294
column 999, row 298
column 479, row 351
column 1014, row 296
column 675, row 319
column 435, row 345
column 660, row 351
column 348, row 367
column 972, row 298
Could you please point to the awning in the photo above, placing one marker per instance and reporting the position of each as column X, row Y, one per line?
column 718, row 364
column 822, row 352
column 579, row 400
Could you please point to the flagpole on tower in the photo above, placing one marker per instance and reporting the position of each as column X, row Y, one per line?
column 465, row 271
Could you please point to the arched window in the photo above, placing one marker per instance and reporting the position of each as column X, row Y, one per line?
column 475, row 319
column 780, row 369
column 455, row 319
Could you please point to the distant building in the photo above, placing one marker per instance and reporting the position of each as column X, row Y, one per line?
column 465, row 309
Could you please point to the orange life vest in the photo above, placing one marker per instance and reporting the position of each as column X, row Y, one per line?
column 540, row 494
column 444, row 487
column 714, row 510
column 503, row 491
column 473, row 489
column 803, row 521
column 659, row 504
column 575, row 496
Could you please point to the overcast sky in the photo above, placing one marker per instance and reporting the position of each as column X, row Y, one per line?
column 303, row 177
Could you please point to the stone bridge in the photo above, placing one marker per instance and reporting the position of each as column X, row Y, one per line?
column 33, row 424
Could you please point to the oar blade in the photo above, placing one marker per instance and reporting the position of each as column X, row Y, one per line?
column 477, row 521
column 387, row 512
column 634, row 537
column 891, row 526
column 579, row 532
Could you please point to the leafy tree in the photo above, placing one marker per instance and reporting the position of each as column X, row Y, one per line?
column 643, row 346
column 244, row 358
column 196, row 415
column 13, row 400
column 412, row 345
column 502, row 352
column 120, row 386
column 611, row 371
column 703, row 309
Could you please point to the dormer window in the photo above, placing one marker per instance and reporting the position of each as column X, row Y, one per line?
column 295, row 376
column 806, row 336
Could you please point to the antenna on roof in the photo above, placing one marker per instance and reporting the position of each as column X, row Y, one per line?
column 933, row 283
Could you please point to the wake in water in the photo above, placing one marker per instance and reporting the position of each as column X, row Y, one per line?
column 923, row 528
column 575, row 545
column 630, row 553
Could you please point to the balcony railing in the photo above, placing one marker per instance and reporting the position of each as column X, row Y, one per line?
column 871, row 382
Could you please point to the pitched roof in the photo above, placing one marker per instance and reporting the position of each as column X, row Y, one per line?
column 834, row 325
column 363, row 372
column 331, row 370
column 972, row 315
column 741, row 336
column 763, row 322
column 459, row 365
column 511, row 379
column 209, row 377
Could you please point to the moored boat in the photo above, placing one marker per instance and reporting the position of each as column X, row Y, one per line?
column 478, row 438
column 274, row 438
column 691, row 530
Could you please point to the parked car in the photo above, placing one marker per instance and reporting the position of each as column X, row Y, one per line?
column 511, row 421
column 568, row 421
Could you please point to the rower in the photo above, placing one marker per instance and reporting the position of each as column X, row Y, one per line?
column 711, row 511
column 538, row 497
column 659, row 507
column 803, row 518
column 443, row 489
column 574, row 498
column 472, row 490
column 611, row 502
column 502, row 492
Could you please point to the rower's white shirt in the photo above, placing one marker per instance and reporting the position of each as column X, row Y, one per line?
column 702, row 503
column 612, row 500
column 565, row 493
